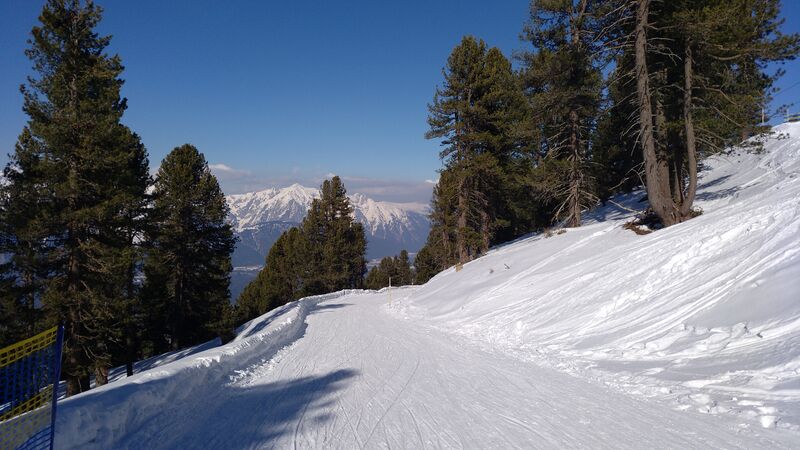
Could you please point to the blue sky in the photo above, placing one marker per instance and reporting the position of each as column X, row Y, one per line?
column 280, row 92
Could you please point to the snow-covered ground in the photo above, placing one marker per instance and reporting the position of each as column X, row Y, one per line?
column 684, row 338
column 705, row 315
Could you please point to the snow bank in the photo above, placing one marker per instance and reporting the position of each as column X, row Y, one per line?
column 705, row 314
column 99, row 417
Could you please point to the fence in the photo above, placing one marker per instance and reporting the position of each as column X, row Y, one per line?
column 29, row 374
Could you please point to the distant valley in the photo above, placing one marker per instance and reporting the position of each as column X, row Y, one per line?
column 259, row 218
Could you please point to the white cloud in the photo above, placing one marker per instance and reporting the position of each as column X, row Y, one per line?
column 224, row 168
column 237, row 181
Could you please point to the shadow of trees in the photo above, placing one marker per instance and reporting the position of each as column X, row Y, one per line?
column 236, row 417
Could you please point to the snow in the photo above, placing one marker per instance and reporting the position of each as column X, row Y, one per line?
column 258, row 218
column 704, row 315
column 290, row 204
column 688, row 337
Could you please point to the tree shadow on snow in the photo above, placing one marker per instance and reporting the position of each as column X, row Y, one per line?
column 261, row 415
column 716, row 195
column 324, row 308
column 245, row 331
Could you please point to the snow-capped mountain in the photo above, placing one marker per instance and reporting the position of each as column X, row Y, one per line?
column 258, row 219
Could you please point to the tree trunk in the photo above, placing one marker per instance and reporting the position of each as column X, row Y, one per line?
column 100, row 375
column 485, row 231
column 656, row 169
column 447, row 256
column 461, row 241
column 130, row 357
column 691, row 143
column 73, row 385
column 576, row 154
column 177, row 318
column 575, row 174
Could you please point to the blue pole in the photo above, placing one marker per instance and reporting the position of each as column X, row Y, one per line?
column 56, row 379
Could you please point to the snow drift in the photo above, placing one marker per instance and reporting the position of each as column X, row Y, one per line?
column 101, row 416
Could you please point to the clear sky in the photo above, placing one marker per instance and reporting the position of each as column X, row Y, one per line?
column 275, row 92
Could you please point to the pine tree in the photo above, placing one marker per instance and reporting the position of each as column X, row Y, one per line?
column 187, row 271
column 381, row 275
column 24, row 271
column 335, row 242
column 475, row 114
column 279, row 282
column 324, row 254
column 66, row 218
column 563, row 78
column 616, row 161
column 425, row 265
column 391, row 271
column 699, row 70
column 403, row 273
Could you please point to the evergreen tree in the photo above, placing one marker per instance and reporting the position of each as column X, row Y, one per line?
column 24, row 270
column 392, row 271
column 699, row 71
column 281, row 279
column 617, row 162
column 324, row 254
column 403, row 273
column 476, row 115
column 380, row 275
column 562, row 76
column 76, row 179
column 373, row 279
column 425, row 265
column 335, row 242
column 187, row 272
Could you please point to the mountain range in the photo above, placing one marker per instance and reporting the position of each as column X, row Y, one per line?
column 259, row 218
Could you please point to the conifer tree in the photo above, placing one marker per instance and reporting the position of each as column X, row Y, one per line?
column 21, row 239
column 563, row 79
column 475, row 114
column 335, row 242
column 373, row 279
column 77, row 177
column 324, row 254
column 187, row 272
column 425, row 265
column 403, row 273
column 394, row 271
column 281, row 279
column 699, row 71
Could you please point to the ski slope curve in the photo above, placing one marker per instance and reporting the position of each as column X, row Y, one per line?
column 596, row 337
column 360, row 377
column 704, row 315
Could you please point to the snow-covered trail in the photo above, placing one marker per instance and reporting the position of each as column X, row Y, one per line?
column 592, row 337
column 362, row 377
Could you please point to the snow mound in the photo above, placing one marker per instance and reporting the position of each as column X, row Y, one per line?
column 704, row 315
column 102, row 417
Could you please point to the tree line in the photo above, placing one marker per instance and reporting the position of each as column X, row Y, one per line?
column 606, row 96
column 131, row 264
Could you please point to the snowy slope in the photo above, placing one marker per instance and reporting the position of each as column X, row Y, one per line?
column 705, row 315
column 260, row 217
column 685, row 338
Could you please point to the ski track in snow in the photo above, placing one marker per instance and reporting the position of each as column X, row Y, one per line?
column 684, row 338
column 360, row 377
